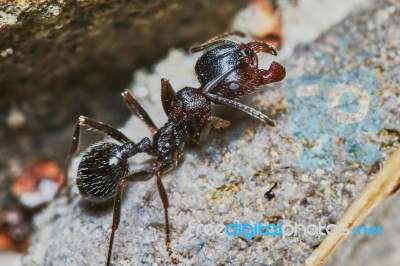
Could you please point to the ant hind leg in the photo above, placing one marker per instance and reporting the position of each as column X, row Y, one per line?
column 164, row 199
column 138, row 177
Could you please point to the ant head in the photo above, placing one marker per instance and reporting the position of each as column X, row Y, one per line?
column 243, row 58
column 249, row 76
column 99, row 171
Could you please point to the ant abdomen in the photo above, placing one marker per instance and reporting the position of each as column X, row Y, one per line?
column 99, row 171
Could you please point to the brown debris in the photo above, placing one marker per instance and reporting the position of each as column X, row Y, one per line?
column 38, row 183
column 262, row 19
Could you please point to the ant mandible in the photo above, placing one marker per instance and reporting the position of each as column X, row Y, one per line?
column 227, row 71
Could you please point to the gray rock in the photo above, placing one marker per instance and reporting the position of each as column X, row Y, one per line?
column 224, row 179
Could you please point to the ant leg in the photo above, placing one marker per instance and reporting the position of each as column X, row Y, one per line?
column 216, row 40
column 244, row 108
column 164, row 199
column 224, row 35
column 208, row 122
column 72, row 151
column 218, row 123
column 139, row 110
column 99, row 126
column 167, row 96
column 139, row 176
column 104, row 128
column 259, row 46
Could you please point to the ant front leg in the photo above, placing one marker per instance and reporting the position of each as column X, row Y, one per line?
column 211, row 121
column 168, row 96
column 137, row 177
column 218, row 123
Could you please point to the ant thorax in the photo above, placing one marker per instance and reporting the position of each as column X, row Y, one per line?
column 190, row 106
column 169, row 138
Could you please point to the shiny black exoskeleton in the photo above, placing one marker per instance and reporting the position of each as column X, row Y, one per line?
column 229, row 54
column 227, row 71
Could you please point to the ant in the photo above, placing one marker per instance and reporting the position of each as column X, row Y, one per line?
column 227, row 71
column 269, row 195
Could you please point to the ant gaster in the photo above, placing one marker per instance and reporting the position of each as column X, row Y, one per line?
column 227, row 71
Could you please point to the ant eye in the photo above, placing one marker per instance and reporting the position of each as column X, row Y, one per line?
column 100, row 170
column 233, row 86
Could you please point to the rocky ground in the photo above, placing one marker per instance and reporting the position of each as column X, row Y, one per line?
column 224, row 179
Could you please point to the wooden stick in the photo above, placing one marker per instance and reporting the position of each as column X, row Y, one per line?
column 385, row 183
